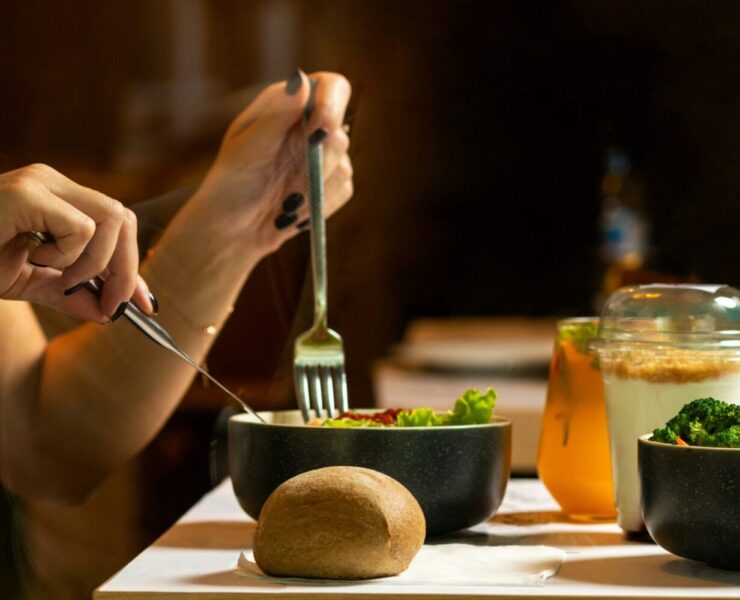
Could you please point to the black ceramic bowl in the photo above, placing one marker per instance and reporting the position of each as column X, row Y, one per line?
column 457, row 474
column 691, row 500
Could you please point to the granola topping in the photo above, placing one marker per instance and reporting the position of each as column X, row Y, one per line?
column 669, row 366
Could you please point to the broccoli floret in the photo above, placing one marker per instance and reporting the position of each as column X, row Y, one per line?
column 727, row 438
column 665, row 435
column 703, row 422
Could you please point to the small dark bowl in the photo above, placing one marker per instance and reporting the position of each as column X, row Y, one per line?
column 457, row 474
column 691, row 500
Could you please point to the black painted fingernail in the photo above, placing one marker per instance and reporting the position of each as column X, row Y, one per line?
column 75, row 288
column 293, row 202
column 119, row 312
column 294, row 83
column 155, row 303
column 35, row 264
column 285, row 220
column 303, row 224
column 317, row 136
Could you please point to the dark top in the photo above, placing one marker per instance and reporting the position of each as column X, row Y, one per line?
column 13, row 564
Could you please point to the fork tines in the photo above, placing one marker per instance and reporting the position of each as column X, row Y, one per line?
column 321, row 387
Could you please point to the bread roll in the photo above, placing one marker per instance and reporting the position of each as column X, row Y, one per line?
column 339, row 523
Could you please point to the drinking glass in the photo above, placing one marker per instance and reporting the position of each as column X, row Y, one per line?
column 573, row 459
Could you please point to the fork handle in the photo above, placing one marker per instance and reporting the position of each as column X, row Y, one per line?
column 317, row 228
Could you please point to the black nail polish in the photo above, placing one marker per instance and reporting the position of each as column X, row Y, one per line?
column 155, row 303
column 293, row 202
column 35, row 264
column 285, row 220
column 317, row 136
column 303, row 224
column 119, row 311
column 294, row 83
column 75, row 288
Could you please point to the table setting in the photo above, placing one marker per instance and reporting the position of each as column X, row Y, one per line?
column 199, row 558
column 327, row 501
column 420, row 501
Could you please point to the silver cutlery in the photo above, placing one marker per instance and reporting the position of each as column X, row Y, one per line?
column 150, row 328
column 318, row 358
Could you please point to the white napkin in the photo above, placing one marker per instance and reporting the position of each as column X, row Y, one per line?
column 450, row 564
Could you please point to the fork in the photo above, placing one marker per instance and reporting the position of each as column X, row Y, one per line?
column 318, row 358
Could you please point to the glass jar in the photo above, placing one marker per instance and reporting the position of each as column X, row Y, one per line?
column 660, row 347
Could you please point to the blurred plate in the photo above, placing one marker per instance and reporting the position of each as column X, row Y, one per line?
column 485, row 344
column 475, row 355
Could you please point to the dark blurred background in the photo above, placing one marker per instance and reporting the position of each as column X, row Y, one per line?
column 481, row 132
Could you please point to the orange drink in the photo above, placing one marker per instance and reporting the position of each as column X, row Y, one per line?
column 573, row 459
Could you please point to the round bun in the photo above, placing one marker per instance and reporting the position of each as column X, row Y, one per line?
column 339, row 523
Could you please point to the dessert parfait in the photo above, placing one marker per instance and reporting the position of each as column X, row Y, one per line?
column 659, row 348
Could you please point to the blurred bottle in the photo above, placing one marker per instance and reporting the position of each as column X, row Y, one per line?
column 624, row 235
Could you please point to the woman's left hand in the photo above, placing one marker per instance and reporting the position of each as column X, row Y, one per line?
column 256, row 188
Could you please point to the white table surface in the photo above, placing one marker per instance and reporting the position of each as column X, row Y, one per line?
column 197, row 558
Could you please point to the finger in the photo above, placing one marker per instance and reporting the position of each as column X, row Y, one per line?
column 43, row 286
column 261, row 102
column 72, row 229
column 106, row 215
column 337, row 165
column 332, row 95
column 274, row 117
column 292, row 160
column 95, row 204
column 122, row 277
column 335, row 146
column 114, row 239
column 144, row 298
column 91, row 202
column 338, row 188
column 96, row 255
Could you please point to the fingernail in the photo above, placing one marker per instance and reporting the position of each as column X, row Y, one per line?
column 317, row 136
column 294, row 83
column 74, row 289
column 119, row 312
column 303, row 224
column 155, row 303
column 293, row 202
column 35, row 264
column 285, row 220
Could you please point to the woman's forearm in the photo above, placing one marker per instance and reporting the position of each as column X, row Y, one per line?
column 109, row 388
column 81, row 404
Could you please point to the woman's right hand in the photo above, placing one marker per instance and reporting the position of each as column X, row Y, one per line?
column 93, row 235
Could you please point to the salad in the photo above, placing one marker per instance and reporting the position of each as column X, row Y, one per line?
column 472, row 408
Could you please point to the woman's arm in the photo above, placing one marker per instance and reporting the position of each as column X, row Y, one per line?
column 93, row 397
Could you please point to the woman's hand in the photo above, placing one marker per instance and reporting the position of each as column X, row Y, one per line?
column 93, row 235
column 256, row 188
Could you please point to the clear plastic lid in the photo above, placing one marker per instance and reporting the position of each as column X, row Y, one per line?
column 690, row 316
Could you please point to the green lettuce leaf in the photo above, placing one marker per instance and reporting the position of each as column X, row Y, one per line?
column 419, row 417
column 472, row 408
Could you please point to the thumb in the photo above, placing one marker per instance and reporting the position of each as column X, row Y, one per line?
column 44, row 287
column 274, row 112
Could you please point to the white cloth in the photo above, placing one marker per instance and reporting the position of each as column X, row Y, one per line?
column 450, row 564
